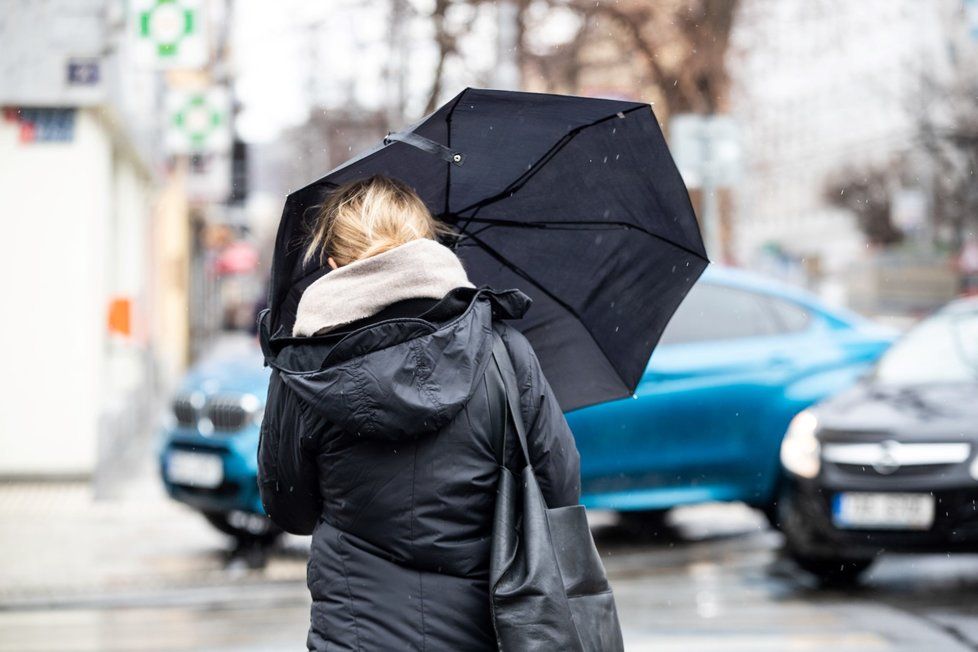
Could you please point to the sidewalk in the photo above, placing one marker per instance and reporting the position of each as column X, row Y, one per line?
column 59, row 546
column 143, row 574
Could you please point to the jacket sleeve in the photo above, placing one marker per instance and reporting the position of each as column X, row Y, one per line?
column 556, row 462
column 287, row 472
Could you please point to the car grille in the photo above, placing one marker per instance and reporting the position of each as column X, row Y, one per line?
column 185, row 411
column 228, row 413
column 894, row 459
column 219, row 413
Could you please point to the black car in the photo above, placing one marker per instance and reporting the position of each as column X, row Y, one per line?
column 891, row 464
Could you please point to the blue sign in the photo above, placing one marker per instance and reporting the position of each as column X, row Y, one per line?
column 83, row 72
column 46, row 125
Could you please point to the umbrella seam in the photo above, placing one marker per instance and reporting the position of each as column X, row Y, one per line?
column 517, row 183
column 492, row 252
column 448, row 137
column 553, row 225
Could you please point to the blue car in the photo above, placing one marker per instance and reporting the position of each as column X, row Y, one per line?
column 739, row 359
column 208, row 459
column 741, row 356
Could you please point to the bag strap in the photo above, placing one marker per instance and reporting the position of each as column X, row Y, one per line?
column 504, row 365
column 496, row 394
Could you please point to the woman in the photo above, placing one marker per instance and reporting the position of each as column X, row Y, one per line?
column 377, row 437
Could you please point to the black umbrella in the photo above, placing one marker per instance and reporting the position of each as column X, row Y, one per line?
column 576, row 201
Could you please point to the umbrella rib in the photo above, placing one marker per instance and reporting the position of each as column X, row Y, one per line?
column 448, row 137
column 550, row 153
column 490, row 222
column 563, row 304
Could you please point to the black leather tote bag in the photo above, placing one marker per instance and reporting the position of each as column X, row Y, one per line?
column 547, row 583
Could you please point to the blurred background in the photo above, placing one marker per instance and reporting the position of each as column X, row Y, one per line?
column 147, row 146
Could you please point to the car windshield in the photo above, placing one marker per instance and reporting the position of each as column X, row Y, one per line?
column 941, row 349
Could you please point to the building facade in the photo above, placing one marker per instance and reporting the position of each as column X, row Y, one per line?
column 92, row 260
column 819, row 88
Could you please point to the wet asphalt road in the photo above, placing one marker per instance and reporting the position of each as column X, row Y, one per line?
column 712, row 581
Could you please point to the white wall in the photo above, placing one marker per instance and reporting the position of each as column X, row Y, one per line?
column 65, row 211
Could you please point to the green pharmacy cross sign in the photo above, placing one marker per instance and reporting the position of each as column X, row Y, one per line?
column 167, row 23
column 197, row 119
column 170, row 33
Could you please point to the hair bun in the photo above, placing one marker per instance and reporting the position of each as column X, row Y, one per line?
column 368, row 217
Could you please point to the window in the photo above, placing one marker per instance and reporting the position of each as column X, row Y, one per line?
column 941, row 349
column 791, row 317
column 716, row 312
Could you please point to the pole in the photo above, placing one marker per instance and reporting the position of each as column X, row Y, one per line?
column 711, row 203
column 395, row 70
column 507, row 73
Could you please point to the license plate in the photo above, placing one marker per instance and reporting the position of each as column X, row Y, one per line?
column 883, row 511
column 195, row 469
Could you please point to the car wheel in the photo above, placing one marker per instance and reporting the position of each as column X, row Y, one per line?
column 770, row 512
column 833, row 571
column 813, row 554
column 645, row 523
column 245, row 527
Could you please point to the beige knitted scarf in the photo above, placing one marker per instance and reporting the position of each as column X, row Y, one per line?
column 420, row 269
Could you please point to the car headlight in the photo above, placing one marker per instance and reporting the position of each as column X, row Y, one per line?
column 973, row 469
column 800, row 450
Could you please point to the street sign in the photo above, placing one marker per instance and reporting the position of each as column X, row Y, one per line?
column 708, row 153
column 706, row 148
column 198, row 121
column 971, row 17
column 169, row 33
column 209, row 178
column 908, row 209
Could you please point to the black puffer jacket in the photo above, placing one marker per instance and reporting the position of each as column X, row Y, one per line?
column 377, row 441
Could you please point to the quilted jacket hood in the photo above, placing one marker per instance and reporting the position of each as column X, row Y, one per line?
column 400, row 378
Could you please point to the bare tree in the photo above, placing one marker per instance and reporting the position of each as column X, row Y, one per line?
column 867, row 193
column 448, row 33
column 942, row 158
column 676, row 49
column 447, row 43
column 948, row 133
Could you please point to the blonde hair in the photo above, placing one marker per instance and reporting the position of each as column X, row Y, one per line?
column 364, row 218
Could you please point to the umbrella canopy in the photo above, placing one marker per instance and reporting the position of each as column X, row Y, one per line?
column 576, row 201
